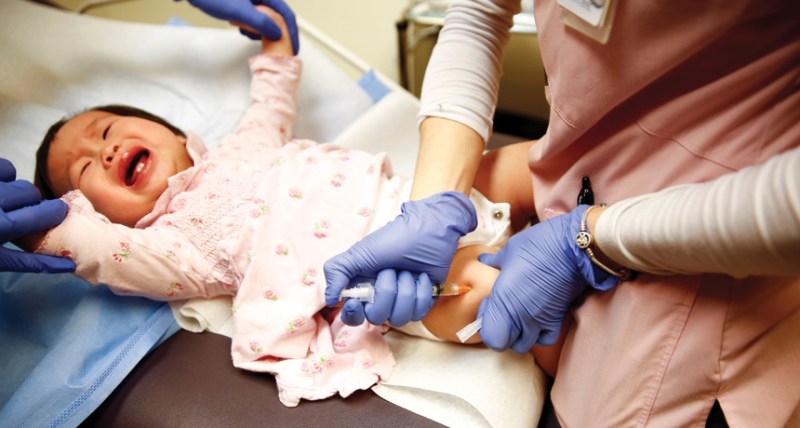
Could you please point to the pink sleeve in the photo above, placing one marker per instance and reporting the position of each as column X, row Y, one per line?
column 269, row 118
column 156, row 263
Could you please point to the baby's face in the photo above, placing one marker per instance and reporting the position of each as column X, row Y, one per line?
column 120, row 163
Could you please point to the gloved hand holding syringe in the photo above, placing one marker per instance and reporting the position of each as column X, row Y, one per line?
column 365, row 292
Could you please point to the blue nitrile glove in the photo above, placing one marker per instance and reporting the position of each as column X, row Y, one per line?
column 22, row 212
column 244, row 11
column 542, row 271
column 422, row 239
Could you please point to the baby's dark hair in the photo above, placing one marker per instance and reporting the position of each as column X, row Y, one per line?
column 42, row 181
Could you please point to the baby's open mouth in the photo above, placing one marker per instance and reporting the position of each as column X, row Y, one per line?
column 136, row 166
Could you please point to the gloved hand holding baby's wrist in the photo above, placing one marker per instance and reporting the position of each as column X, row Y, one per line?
column 244, row 12
column 22, row 212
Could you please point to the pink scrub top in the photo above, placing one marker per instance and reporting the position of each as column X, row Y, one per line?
column 682, row 92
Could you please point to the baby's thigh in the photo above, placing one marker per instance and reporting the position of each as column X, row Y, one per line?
column 452, row 313
column 504, row 176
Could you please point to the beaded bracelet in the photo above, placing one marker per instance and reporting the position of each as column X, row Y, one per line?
column 584, row 240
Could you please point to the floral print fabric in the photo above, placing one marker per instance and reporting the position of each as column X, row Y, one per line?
column 256, row 218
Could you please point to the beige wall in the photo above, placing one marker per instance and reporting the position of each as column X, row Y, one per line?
column 365, row 27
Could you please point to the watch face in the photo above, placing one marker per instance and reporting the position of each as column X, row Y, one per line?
column 583, row 240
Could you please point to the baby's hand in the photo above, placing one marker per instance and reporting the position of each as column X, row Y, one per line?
column 282, row 46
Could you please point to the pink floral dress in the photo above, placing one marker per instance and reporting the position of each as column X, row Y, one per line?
column 256, row 219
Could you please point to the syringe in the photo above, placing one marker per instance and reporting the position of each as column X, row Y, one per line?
column 365, row 291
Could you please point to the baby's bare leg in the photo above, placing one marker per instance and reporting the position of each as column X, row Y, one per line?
column 504, row 176
column 547, row 356
column 451, row 314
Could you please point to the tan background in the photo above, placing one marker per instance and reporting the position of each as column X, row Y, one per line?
column 367, row 28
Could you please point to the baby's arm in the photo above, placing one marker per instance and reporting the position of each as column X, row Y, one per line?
column 158, row 264
column 269, row 119
column 451, row 314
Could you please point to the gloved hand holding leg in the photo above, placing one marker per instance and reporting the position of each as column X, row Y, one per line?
column 22, row 212
column 244, row 12
column 542, row 271
column 422, row 240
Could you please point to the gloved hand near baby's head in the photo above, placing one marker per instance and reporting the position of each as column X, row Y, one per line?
column 22, row 212
column 422, row 240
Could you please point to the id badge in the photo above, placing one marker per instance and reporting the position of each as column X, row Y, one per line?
column 593, row 18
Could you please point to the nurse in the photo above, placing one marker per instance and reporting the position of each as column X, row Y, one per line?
column 687, row 119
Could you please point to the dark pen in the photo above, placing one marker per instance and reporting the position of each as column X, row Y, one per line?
column 586, row 195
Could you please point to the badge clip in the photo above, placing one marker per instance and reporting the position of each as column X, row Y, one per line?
column 593, row 18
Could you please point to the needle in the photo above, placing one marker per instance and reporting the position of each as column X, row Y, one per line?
column 451, row 289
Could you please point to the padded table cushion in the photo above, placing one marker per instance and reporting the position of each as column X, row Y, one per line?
column 189, row 381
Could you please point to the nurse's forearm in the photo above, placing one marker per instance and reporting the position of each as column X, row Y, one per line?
column 743, row 223
column 448, row 159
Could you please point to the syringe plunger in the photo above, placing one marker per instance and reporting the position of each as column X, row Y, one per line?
column 365, row 291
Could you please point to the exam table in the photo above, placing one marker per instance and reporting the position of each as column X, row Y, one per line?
column 155, row 393
column 76, row 354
